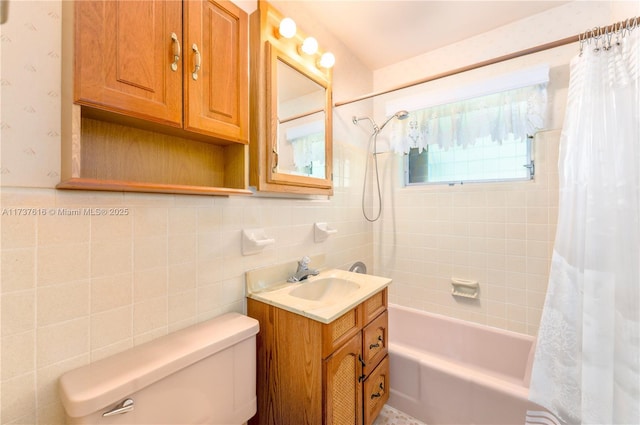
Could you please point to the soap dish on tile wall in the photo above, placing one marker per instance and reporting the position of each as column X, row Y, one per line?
column 464, row 288
column 321, row 231
column 254, row 241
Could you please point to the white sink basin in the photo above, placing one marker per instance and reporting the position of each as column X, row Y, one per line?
column 324, row 289
column 323, row 298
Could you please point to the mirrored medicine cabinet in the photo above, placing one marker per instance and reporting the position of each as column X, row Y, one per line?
column 291, row 129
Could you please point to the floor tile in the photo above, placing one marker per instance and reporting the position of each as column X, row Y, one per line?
column 391, row 416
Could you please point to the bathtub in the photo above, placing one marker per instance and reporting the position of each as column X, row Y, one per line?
column 448, row 371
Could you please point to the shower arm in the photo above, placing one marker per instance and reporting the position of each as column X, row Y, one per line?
column 400, row 115
column 355, row 121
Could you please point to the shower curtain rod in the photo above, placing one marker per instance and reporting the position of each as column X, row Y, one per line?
column 632, row 22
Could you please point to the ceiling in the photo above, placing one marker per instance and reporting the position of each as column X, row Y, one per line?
column 384, row 32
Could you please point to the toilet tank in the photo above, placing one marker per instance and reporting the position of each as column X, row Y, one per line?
column 204, row 374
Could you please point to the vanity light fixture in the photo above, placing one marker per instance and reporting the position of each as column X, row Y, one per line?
column 309, row 46
column 327, row 60
column 287, row 28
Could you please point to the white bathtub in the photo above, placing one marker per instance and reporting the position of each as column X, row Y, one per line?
column 448, row 371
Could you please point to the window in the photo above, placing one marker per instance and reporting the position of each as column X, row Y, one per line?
column 486, row 136
column 482, row 161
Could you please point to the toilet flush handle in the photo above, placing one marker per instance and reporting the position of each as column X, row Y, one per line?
column 124, row 407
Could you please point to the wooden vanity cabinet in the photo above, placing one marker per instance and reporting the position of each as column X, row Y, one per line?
column 314, row 373
column 342, row 387
column 374, row 340
column 375, row 355
column 376, row 391
column 167, row 83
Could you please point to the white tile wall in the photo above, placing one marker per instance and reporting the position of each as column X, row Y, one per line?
column 498, row 234
column 71, row 294
column 78, row 288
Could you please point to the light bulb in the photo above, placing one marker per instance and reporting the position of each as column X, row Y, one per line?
column 327, row 60
column 287, row 28
column 309, row 46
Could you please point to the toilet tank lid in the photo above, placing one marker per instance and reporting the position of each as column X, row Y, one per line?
column 97, row 385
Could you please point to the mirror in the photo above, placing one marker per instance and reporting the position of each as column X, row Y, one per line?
column 291, row 120
column 299, row 123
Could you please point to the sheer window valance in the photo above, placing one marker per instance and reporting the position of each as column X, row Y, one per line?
column 308, row 149
column 501, row 115
column 308, row 143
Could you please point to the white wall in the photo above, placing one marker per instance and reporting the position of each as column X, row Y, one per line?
column 77, row 288
column 498, row 234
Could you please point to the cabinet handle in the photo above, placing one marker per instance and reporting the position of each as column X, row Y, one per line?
column 379, row 393
column 377, row 344
column 276, row 158
column 176, row 51
column 361, row 360
column 194, row 74
column 361, row 377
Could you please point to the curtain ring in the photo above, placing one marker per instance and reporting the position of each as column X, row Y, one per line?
column 619, row 32
column 596, row 35
column 581, row 39
column 607, row 38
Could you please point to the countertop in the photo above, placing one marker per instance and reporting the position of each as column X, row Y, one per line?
column 278, row 294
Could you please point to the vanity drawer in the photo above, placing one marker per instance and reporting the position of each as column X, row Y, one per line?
column 341, row 330
column 375, row 305
column 374, row 342
column 376, row 391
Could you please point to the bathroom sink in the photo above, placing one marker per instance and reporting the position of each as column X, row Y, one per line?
column 324, row 289
column 323, row 298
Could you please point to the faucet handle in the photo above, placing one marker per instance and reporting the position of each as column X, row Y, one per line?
column 303, row 264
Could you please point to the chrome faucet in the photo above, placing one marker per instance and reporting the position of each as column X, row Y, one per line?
column 303, row 271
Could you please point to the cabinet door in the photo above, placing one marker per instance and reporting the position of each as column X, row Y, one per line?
column 343, row 387
column 123, row 56
column 216, row 64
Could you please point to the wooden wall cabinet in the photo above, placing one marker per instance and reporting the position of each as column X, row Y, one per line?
column 314, row 373
column 291, row 112
column 155, row 96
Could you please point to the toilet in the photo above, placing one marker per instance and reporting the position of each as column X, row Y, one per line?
column 204, row 374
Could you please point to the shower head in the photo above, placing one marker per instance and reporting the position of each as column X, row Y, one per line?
column 401, row 115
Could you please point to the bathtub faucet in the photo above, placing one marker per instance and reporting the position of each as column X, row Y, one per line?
column 303, row 271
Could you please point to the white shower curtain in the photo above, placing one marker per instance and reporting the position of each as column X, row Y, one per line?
column 587, row 361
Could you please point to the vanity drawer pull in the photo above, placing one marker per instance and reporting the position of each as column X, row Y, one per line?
column 377, row 344
column 379, row 393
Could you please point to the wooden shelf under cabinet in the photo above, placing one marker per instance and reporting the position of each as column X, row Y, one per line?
column 114, row 157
